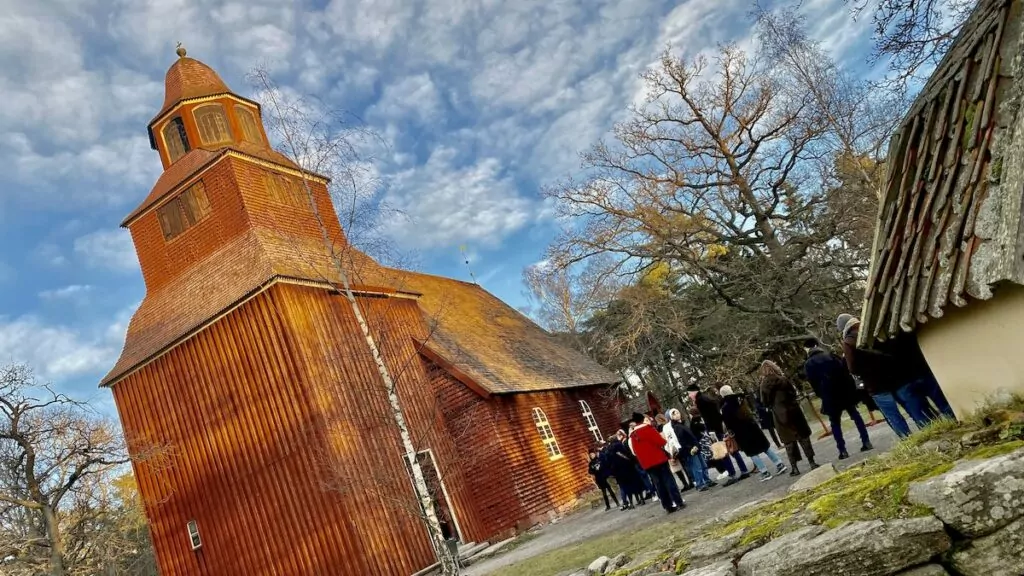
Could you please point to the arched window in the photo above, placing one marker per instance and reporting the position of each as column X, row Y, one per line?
column 247, row 120
column 175, row 139
column 547, row 436
column 213, row 124
column 588, row 415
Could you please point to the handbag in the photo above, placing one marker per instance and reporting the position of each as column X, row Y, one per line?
column 731, row 445
column 719, row 451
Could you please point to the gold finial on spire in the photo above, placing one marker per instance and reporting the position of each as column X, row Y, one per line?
column 180, row 51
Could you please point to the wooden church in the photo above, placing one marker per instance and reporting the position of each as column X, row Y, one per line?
column 260, row 427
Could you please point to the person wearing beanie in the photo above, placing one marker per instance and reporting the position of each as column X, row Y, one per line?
column 649, row 447
column 690, row 452
column 710, row 410
column 879, row 372
column 740, row 422
column 834, row 385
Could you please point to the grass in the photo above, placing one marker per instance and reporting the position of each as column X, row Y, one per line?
column 580, row 555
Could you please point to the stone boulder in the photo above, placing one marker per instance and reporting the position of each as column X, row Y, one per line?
column 875, row 548
column 998, row 554
column 704, row 551
column 929, row 570
column 598, row 566
column 721, row 569
column 645, row 560
column 814, row 478
column 616, row 563
column 977, row 497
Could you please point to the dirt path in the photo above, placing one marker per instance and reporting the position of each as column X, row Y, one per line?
column 700, row 506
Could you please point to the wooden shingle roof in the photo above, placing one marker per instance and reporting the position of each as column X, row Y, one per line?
column 189, row 78
column 949, row 227
column 494, row 344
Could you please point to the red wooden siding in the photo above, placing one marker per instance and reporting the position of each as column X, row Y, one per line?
column 256, row 413
column 281, row 445
column 513, row 481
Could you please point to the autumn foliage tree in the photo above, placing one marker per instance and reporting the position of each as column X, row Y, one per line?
column 62, row 511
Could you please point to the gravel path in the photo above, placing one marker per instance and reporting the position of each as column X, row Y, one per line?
column 700, row 506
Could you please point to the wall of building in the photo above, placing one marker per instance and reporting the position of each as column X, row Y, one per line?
column 161, row 260
column 273, row 432
column 976, row 352
column 513, row 481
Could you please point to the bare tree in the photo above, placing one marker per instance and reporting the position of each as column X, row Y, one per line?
column 912, row 35
column 718, row 175
column 57, row 458
column 563, row 297
column 310, row 140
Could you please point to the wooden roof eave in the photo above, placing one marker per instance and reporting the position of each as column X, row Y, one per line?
column 113, row 379
column 434, row 356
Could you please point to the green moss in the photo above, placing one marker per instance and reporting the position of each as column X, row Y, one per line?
column 969, row 114
column 681, row 565
column 996, row 170
column 880, row 495
column 995, row 450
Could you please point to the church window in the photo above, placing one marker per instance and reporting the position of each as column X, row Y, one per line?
column 184, row 211
column 547, row 436
column 213, row 124
column 250, row 130
column 588, row 416
column 175, row 139
column 193, row 535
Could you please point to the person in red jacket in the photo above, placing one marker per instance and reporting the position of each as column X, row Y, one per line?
column 649, row 447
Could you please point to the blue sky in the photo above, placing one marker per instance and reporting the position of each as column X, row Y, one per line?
column 480, row 102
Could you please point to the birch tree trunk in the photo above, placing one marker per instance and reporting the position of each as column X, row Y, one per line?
column 448, row 562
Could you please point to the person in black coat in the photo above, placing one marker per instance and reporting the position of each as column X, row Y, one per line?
column 740, row 422
column 622, row 466
column 598, row 468
column 834, row 384
column 711, row 412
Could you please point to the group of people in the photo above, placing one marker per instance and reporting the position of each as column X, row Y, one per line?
column 647, row 461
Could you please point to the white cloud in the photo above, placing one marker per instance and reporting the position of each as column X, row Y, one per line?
column 449, row 204
column 111, row 249
column 56, row 352
column 412, row 98
column 66, row 292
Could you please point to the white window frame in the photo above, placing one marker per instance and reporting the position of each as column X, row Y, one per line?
column 588, row 415
column 547, row 435
column 193, row 535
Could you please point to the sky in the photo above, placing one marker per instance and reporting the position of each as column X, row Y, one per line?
column 480, row 103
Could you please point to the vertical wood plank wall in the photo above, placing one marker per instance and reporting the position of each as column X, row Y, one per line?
column 513, row 481
column 273, row 432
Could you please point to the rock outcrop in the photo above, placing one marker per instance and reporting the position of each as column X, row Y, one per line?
column 873, row 548
column 976, row 498
column 998, row 554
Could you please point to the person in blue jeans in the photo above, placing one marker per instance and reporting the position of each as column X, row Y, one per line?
column 879, row 372
column 690, row 451
column 834, row 385
column 918, row 389
column 741, row 423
